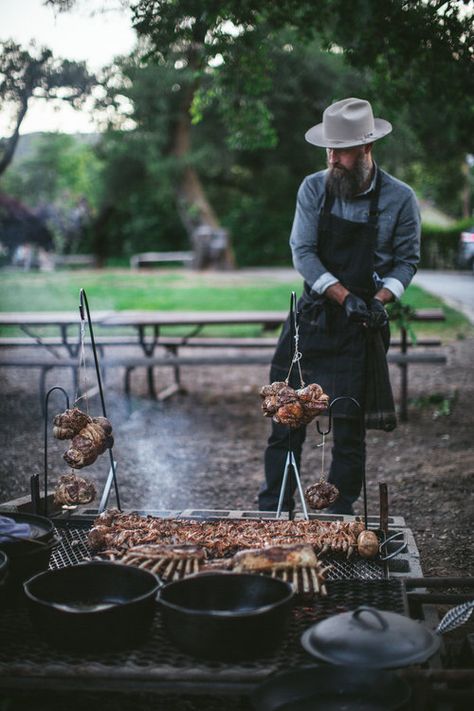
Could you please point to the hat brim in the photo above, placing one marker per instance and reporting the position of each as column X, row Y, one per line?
column 316, row 136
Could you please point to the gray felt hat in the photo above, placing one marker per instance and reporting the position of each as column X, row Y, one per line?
column 347, row 123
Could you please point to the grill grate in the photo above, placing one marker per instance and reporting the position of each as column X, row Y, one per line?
column 158, row 663
column 73, row 548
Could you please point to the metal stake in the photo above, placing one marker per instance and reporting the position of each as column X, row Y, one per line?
column 290, row 457
column 112, row 473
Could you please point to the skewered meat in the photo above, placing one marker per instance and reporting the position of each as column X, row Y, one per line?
column 69, row 423
column 367, row 544
column 275, row 558
column 222, row 538
column 74, row 490
column 167, row 551
column 321, row 495
column 293, row 407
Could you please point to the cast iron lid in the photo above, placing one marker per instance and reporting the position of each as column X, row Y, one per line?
column 370, row 638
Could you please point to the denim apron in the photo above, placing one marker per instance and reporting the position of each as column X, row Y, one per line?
column 333, row 348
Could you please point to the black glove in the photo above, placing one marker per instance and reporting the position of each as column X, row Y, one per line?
column 356, row 309
column 378, row 316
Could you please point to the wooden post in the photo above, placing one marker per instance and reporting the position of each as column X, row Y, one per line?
column 403, row 377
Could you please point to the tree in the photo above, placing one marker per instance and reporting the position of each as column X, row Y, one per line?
column 28, row 73
column 419, row 52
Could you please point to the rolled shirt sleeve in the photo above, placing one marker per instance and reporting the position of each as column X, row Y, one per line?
column 397, row 251
column 406, row 247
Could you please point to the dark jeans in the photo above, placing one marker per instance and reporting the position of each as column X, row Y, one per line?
column 346, row 472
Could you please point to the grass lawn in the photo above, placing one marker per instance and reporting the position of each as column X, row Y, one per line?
column 182, row 290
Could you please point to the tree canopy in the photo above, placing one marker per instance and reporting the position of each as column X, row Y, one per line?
column 34, row 72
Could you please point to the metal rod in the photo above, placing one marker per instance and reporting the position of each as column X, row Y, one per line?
column 383, row 519
column 45, row 410
column 321, row 432
column 283, row 483
column 403, row 377
column 83, row 302
column 298, row 484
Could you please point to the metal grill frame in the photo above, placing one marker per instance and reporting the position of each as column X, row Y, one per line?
column 26, row 662
column 157, row 665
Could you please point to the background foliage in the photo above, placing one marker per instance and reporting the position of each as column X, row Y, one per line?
column 254, row 77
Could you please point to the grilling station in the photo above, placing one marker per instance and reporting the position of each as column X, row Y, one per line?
column 107, row 600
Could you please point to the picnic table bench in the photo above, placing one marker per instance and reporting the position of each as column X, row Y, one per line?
column 149, row 258
column 158, row 350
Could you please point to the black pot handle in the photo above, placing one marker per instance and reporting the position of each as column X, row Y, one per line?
column 375, row 613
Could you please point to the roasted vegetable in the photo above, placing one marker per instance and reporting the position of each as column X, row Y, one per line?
column 367, row 544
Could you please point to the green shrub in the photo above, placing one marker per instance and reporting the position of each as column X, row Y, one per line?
column 439, row 245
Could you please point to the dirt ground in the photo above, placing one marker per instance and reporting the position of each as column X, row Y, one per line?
column 203, row 450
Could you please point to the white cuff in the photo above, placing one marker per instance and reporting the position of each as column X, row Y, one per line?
column 395, row 286
column 324, row 282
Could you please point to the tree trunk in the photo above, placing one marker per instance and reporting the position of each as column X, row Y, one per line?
column 211, row 243
column 11, row 143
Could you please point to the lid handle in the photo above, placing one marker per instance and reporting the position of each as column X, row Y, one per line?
column 375, row 613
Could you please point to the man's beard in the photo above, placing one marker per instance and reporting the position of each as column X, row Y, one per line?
column 346, row 184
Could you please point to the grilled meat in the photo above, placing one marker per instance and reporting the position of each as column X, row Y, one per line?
column 275, row 558
column 72, row 490
column 221, row 538
column 293, row 407
column 321, row 495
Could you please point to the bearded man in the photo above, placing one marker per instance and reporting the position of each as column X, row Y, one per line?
column 355, row 241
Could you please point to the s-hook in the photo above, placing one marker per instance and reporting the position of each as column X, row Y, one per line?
column 326, row 432
column 34, row 480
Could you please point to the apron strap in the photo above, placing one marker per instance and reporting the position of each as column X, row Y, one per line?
column 374, row 201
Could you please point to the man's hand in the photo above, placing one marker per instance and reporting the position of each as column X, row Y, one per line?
column 378, row 316
column 356, row 309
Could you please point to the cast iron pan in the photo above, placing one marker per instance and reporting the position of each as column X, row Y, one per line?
column 28, row 557
column 91, row 606
column 226, row 616
column 326, row 688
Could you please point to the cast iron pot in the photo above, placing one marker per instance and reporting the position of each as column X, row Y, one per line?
column 326, row 688
column 372, row 639
column 91, row 606
column 27, row 557
column 226, row 616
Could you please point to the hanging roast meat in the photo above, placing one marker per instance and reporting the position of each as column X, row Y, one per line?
column 321, row 495
column 91, row 436
column 293, row 407
column 73, row 490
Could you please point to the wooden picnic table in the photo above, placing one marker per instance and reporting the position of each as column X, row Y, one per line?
column 63, row 321
column 148, row 325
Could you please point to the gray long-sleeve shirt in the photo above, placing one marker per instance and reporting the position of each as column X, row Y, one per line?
column 397, row 250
